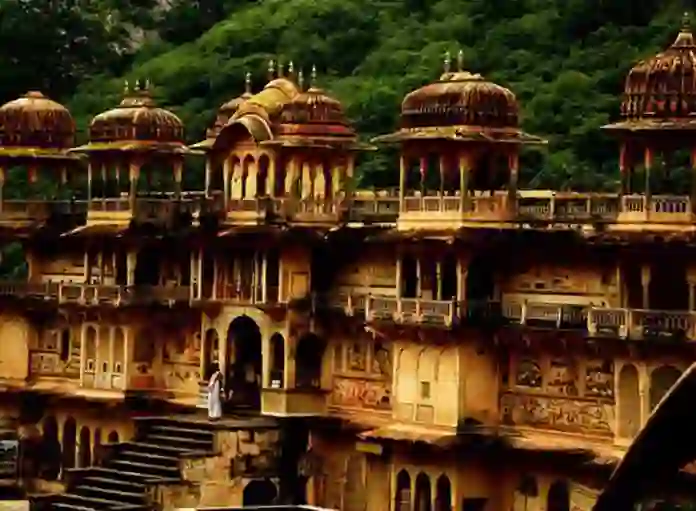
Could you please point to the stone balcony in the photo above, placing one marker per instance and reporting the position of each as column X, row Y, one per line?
column 634, row 324
column 95, row 295
column 161, row 211
column 551, row 208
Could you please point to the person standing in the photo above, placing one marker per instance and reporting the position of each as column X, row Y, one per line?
column 215, row 393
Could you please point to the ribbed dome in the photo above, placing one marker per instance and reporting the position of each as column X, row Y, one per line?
column 459, row 99
column 36, row 121
column 663, row 86
column 137, row 118
column 314, row 113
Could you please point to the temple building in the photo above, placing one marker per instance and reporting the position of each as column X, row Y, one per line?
column 464, row 344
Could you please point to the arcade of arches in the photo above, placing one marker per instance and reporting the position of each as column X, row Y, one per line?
column 245, row 368
column 67, row 445
column 640, row 389
column 259, row 174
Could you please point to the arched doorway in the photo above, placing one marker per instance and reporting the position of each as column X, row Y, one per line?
column 661, row 380
column 69, row 441
column 211, row 349
column 259, row 492
column 423, row 495
column 308, row 359
column 97, row 446
column 629, row 402
column 51, row 452
column 558, row 498
column 244, row 366
column 147, row 267
column 402, row 499
column 85, row 448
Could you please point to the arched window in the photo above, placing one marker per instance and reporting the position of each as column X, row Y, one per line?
column 424, row 497
column 69, row 441
column 629, row 402
column 443, row 494
column 277, row 345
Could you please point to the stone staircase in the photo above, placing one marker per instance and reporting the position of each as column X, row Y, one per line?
column 121, row 481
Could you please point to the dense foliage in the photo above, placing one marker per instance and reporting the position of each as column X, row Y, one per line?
column 565, row 59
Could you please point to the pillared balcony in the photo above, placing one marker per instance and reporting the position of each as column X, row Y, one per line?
column 635, row 324
column 94, row 295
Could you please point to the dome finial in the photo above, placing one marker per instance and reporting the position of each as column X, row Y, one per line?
column 271, row 70
column 126, row 88
column 313, row 77
column 686, row 22
column 137, row 85
column 291, row 69
column 300, row 80
column 247, row 82
column 280, row 68
column 448, row 62
column 147, row 84
column 460, row 60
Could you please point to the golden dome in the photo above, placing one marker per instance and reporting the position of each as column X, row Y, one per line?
column 460, row 99
column 36, row 121
column 314, row 113
column 137, row 118
column 663, row 87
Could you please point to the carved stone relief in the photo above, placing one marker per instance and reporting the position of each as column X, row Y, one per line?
column 556, row 413
column 599, row 379
column 358, row 393
column 562, row 378
column 529, row 374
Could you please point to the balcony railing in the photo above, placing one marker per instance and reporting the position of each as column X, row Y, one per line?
column 96, row 294
column 39, row 210
column 558, row 207
column 635, row 324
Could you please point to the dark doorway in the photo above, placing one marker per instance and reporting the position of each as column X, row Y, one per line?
column 244, row 363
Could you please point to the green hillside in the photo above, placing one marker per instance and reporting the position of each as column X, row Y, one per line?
column 565, row 59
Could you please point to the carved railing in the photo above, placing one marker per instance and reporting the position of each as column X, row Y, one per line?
column 96, row 294
column 39, row 210
column 560, row 207
column 411, row 310
column 373, row 209
column 642, row 324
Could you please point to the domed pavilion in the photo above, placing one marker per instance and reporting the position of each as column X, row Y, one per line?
column 658, row 112
column 36, row 132
column 462, row 129
column 136, row 135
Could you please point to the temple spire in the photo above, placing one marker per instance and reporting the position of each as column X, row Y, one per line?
column 448, row 62
column 247, row 82
column 460, row 60
column 271, row 70
column 313, row 77
column 300, row 80
column 686, row 22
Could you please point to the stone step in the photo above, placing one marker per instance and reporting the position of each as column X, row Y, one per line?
column 123, row 474
column 71, row 507
column 110, row 494
column 156, row 459
column 114, row 483
column 146, row 469
column 89, row 502
column 190, row 444
column 182, row 430
column 165, row 450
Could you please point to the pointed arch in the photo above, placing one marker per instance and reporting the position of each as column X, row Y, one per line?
column 423, row 497
column 443, row 494
column 51, row 448
column 629, row 402
column 69, row 442
column 661, row 380
column 402, row 498
column 84, row 448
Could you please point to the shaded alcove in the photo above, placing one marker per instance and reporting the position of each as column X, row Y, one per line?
column 423, row 495
column 69, row 442
column 277, row 369
column 245, row 366
column 85, row 448
column 308, row 361
column 50, row 461
column 443, row 494
column 558, row 498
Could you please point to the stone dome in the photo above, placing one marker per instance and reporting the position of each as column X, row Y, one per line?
column 460, row 99
column 36, row 121
column 663, row 86
column 137, row 118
